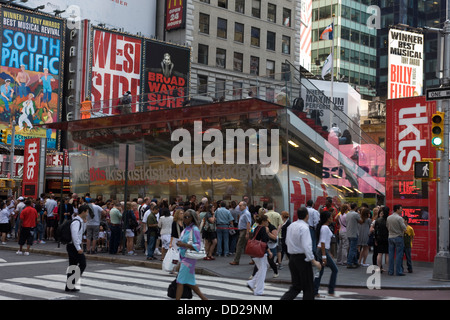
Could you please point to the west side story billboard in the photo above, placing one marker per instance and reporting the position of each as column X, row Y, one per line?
column 405, row 64
column 156, row 73
column 31, row 73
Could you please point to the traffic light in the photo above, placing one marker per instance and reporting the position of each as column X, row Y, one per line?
column 4, row 136
column 437, row 129
column 423, row 170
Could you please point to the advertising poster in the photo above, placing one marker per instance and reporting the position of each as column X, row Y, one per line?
column 116, row 69
column 175, row 14
column 31, row 168
column 305, row 34
column 166, row 75
column 405, row 69
column 32, row 48
column 408, row 139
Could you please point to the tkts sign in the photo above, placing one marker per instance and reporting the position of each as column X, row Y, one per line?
column 31, row 168
column 408, row 140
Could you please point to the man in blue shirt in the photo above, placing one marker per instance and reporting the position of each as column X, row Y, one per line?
column 224, row 220
column 245, row 222
column 6, row 94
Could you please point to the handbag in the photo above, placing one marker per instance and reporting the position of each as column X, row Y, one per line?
column 172, row 290
column 256, row 248
column 193, row 254
column 170, row 260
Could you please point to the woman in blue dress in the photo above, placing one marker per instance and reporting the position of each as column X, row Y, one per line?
column 186, row 275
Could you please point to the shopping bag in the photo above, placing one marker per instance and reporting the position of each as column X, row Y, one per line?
column 170, row 260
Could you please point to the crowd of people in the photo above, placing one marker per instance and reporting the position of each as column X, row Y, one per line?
column 341, row 235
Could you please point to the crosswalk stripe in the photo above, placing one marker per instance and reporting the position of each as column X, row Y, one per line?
column 144, row 272
column 31, row 292
column 24, row 263
column 89, row 283
column 207, row 287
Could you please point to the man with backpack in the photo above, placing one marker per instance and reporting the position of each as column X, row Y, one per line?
column 77, row 259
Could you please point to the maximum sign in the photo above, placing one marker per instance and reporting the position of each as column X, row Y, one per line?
column 438, row 94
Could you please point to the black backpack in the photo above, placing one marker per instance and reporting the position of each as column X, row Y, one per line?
column 63, row 232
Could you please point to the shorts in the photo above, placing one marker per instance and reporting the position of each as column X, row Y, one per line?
column 26, row 236
column 51, row 222
column 92, row 232
column 165, row 241
column 5, row 227
column 129, row 233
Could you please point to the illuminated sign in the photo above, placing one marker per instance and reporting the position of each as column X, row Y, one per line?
column 405, row 66
column 175, row 14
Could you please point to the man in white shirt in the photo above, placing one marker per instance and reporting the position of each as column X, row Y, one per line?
column 301, row 258
column 77, row 259
column 313, row 221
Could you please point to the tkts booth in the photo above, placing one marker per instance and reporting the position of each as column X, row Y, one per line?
column 408, row 136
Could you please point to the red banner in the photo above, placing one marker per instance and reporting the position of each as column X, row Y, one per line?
column 174, row 14
column 116, row 68
column 408, row 139
column 31, row 168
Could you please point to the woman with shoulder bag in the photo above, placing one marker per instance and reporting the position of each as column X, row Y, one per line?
column 256, row 284
column 186, row 275
column 210, row 233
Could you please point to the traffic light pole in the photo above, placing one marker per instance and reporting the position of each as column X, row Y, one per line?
column 441, row 269
column 11, row 161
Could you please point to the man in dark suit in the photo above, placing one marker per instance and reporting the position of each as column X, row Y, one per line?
column 65, row 210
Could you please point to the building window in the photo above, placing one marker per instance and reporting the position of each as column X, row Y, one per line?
column 285, row 72
column 222, row 3
column 220, row 88
column 202, row 84
column 203, row 54
column 205, row 1
column 221, row 28
column 256, row 8
column 272, row 13
column 286, row 17
column 239, row 6
column 237, row 90
column 286, row 45
column 238, row 61
column 270, row 69
column 271, row 40
column 221, row 58
column 239, row 32
column 270, row 94
column 255, row 33
column 254, row 65
column 204, row 23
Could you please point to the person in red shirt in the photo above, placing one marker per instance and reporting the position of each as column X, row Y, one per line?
column 28, row 219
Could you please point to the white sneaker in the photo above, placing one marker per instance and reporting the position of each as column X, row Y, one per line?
column 3, row 242
column 19, row 253
column 26, row 253
column 275, row 275
column 157, row 252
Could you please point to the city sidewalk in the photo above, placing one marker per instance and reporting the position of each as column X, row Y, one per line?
column 421, row 278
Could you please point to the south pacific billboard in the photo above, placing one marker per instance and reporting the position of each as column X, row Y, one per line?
column 31, row 72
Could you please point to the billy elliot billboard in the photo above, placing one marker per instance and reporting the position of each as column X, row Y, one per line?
column 31, row 73
column 155, row 74
column 405, row 73
column 408, row 139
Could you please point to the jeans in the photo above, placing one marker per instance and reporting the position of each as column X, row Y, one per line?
column 151, row 243
column 342, row 248
column 408, row 258
column 396, row 246
column 334, row 271
column 352, row 253
column 223, row 239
